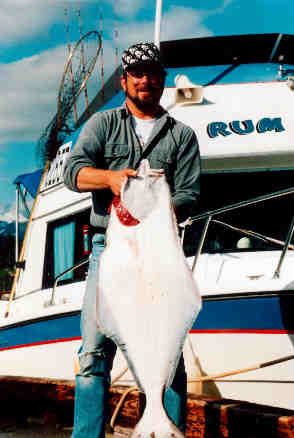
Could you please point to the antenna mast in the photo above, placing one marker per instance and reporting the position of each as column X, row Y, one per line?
column 116, row 58
column 102, row 57
column 82, row 54
column 69, row 51
column 158, row 23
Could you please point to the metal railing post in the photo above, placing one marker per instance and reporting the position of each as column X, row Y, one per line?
column 200, row 246
column 57, row 278
column 285, row 249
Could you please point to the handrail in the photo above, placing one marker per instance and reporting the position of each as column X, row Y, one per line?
column 201, row 243
column 210, row 214
column 285, row 249
column 241, row 204
column 57, row 278
column 253, row 234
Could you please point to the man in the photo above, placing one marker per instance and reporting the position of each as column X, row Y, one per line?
column 109, row 150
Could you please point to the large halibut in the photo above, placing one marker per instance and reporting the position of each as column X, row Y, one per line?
column 147, row 298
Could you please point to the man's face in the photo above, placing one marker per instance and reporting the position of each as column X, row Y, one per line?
column 143, row 86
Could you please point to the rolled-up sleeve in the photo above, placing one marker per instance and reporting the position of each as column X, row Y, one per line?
column 87, row 151
column 187, row 173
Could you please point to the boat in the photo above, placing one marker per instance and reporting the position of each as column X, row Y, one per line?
column 237, row 93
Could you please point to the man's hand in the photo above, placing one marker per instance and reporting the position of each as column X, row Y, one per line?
column 90, row 178
column 117, row 177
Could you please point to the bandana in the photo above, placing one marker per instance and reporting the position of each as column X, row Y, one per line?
column 141, row 54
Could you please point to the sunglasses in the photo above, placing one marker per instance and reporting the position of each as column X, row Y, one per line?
column 154, row 74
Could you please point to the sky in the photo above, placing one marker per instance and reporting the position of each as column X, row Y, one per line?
column 35, row 35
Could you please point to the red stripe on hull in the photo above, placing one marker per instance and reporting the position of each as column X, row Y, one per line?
column 249, row 331
column 212, row 331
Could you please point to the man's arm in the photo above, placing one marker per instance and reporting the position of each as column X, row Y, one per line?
column 186, row 175
column 82, row 172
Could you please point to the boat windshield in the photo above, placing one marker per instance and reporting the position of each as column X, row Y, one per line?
column 226, row 74
column 263, row 226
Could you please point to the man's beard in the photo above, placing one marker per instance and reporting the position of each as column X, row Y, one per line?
column 151, row 103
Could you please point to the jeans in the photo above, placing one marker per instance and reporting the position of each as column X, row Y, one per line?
column 96, row 358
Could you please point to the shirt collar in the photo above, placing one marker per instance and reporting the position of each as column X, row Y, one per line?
column 125, row 113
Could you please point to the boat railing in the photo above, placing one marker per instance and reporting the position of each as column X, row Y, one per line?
column 210, row 215
column 66, row 271
column 55, row 283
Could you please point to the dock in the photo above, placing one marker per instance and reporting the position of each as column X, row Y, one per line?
column 47, row 405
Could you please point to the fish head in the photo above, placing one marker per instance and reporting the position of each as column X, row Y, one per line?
column 139, row 195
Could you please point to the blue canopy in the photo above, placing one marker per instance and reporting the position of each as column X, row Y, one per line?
column 30, row 181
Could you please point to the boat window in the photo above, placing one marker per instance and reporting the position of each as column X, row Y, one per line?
column 68, row 243
column 223, row 74
column 260, row 227
column 63, row 247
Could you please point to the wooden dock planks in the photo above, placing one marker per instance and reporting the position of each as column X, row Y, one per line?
column 206, row 417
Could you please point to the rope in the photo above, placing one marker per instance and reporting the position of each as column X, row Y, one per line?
column 243, row 370
column 199, row 379
column 118, row 406
column 119, row 376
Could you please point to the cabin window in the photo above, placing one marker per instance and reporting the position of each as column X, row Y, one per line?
column 230, row 232
column 63, row 244
column 68, row 244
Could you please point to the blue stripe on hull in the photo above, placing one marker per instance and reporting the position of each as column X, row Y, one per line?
column 266, row 314
column 50, row 329
column 256, row 313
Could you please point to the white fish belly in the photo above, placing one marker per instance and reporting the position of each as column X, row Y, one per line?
column 147, row 297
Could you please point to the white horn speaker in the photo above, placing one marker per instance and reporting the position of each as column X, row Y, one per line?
column 186, row 91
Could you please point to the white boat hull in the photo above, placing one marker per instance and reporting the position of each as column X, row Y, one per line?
column 46, row 346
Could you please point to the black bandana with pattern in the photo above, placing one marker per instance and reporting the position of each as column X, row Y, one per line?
column 141, row 54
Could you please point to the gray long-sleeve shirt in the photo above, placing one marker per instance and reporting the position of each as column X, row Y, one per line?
column 108, row 141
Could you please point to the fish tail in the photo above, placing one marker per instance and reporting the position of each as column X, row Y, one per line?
column 156, row 424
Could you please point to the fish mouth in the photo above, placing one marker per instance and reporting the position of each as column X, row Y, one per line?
column 123, row 215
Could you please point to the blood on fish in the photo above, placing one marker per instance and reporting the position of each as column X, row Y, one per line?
column 123, row 214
